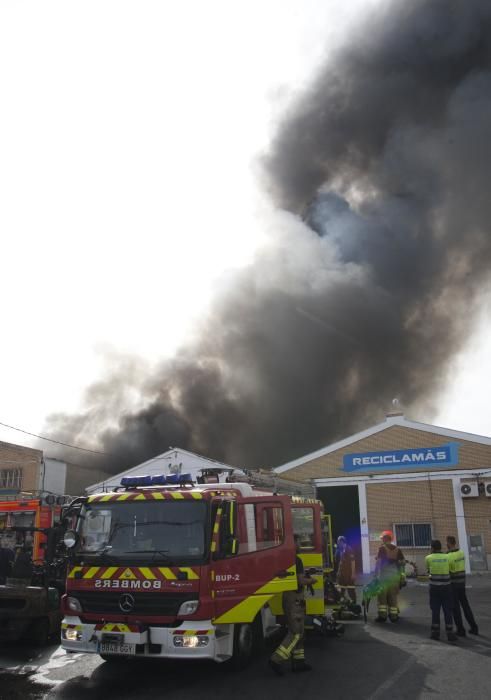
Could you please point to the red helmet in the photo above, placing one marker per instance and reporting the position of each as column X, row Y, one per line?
column 387, row 533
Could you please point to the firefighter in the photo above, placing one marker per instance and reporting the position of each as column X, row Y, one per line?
column 390, row 572
column 291, row 648
column 456, row 565
column 440, row 591
column 344, row 565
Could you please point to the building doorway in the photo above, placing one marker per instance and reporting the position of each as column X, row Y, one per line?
column 343, row 505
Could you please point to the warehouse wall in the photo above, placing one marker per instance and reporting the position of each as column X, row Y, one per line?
column 410, row 502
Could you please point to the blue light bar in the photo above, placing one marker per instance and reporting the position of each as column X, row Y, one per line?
column 142, row 480
column 155, row 480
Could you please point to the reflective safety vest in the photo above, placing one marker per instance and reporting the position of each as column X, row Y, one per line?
column 438, row 568
column 456, row 564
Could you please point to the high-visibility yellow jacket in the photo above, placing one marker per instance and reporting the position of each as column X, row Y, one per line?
column 438, row 569
column 456, row 563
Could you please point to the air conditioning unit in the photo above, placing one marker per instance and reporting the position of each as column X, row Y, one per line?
column 487, row 488
column 469, row 489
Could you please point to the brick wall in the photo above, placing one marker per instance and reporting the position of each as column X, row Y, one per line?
column 472, row 455
column 477, row 513
column 411, row 502
column 26, row 458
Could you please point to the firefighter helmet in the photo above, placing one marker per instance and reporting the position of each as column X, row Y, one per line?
column 387, row 533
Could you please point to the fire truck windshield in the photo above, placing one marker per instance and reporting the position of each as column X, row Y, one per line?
column 146, row 530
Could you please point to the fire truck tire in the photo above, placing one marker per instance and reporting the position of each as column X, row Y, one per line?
column 248, row 639
column 39, row 632
column 243, row 646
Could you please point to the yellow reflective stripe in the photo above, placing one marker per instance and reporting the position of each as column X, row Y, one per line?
column 245, row 611
column 128, row 574
column 215, row 528
column 107, row 498
column 231, row 524
column 176, row 495
column 167, row 573
column 147, row 572
column 109, row 571
column 115, row 627
column 277, row 584
column 158, row 496
column 67, row 625
column 192, row 576
column 213, row 547
column 74, row 571
column 197, row 496
column 282, row 652
column 92, row 572
column 140, row 497
column 292, row 645
column 123, row 497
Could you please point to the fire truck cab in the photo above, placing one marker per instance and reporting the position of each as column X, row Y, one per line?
column 185, row 571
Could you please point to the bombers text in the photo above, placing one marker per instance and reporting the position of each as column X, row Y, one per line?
column 130, row 585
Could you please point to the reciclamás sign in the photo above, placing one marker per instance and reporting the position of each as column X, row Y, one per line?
column 442, row 456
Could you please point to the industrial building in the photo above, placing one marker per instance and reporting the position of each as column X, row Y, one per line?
column 418, row 480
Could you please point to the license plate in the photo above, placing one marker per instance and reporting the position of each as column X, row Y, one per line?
column 115, row 648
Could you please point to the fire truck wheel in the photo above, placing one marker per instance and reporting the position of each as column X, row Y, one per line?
column 248, row 639
column 243, row 646
column 38, row 632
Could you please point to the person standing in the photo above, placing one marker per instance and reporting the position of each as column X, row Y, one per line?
column 440, row 591
column 345, row 568
column 292, row 646
column 456, row 565
column 389, row 570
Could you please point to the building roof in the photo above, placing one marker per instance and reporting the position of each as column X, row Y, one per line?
column 170, row 455
column 390, row 421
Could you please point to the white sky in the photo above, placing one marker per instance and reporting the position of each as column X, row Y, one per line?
column 127, row 133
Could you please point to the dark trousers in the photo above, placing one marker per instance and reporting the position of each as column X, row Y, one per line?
column 441, row 599
column 459, row 598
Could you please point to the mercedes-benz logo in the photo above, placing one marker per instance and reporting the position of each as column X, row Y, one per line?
column 126, row 603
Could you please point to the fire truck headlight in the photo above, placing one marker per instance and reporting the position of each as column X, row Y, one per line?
column 71, row 635
column 191, row 641
column 188, row 608
column 73, row 604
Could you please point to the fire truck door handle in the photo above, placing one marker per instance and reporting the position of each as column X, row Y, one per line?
column 284, row 573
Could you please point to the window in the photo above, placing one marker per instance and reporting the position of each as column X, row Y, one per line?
column 261, row 526
column 303, row 526
column 413, row 534
column 10, row 478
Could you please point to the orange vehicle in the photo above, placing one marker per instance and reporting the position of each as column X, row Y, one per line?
column 185, row 571
column 31, row 583
column 21, row 520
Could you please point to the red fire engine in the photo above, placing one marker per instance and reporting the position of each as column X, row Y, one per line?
column 184, row 570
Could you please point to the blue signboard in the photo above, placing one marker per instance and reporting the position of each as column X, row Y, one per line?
column 442, row 456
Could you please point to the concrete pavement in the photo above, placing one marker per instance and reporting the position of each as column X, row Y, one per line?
column 371, row 662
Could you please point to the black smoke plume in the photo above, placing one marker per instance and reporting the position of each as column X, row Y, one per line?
column 380, row 176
